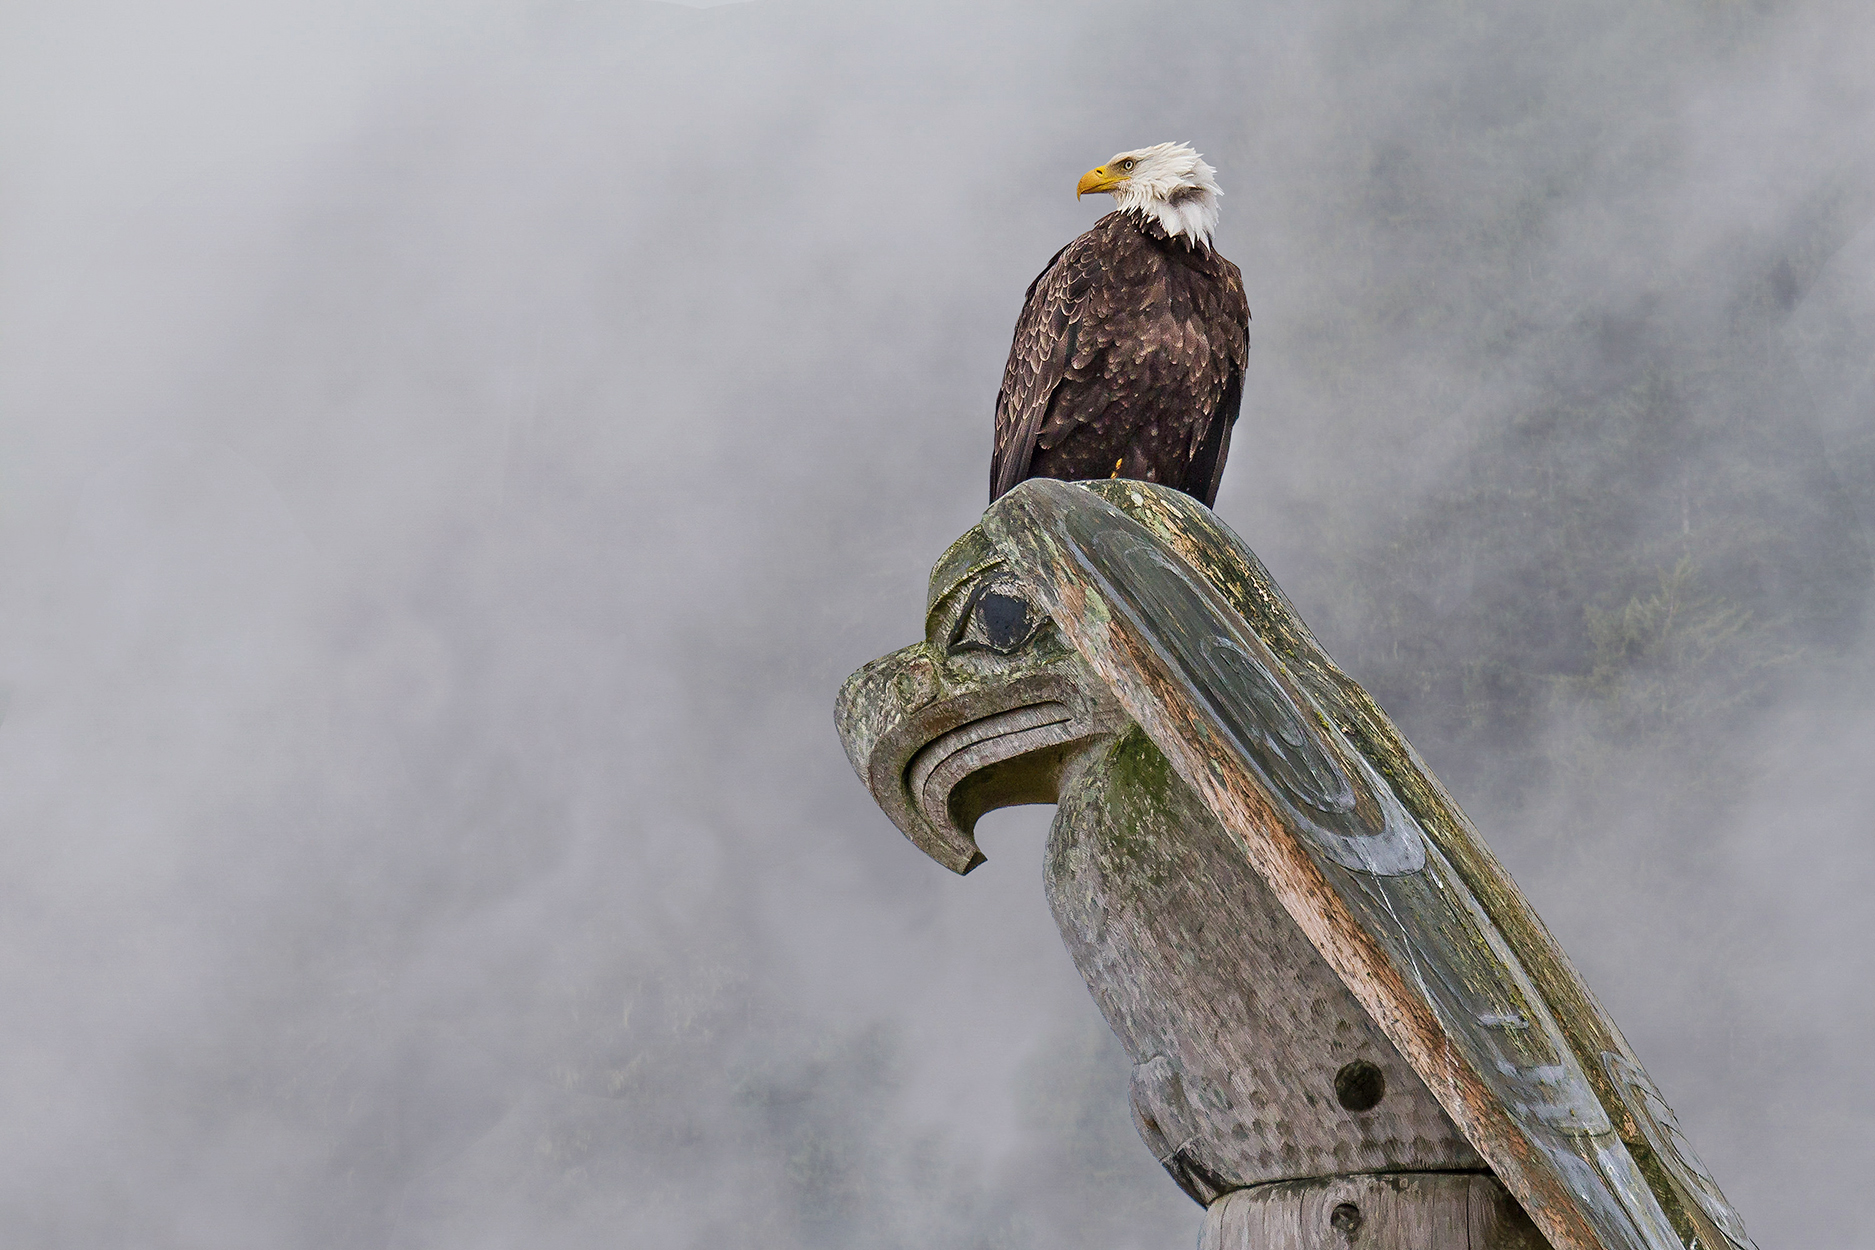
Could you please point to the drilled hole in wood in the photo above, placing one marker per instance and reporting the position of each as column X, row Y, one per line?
column 1360, row 1086
column 1346, row 1220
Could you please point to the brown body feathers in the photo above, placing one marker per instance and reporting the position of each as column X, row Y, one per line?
column 1128, row 361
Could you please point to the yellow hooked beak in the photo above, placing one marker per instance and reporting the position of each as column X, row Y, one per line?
column 1101, row 178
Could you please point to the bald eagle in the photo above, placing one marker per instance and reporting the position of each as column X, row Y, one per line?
column 1129, row 355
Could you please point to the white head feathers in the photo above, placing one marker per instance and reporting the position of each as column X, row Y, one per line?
column 1168, row 181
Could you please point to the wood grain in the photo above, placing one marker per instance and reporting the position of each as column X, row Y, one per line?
column 1398, row 1211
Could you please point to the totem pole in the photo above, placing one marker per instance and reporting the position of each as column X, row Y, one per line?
column 1347, row 1025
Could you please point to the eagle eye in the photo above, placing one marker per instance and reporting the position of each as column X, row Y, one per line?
column 999, row 619
column 1126, row 164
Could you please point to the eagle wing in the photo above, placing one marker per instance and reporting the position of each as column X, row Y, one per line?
column 1207, row 463
column 1047, row 333
column 1228, row 319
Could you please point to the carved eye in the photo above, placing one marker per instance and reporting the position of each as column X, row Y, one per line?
column 999, row 619
column 1126, row 164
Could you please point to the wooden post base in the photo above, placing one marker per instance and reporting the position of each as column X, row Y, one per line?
column 1389, row 1211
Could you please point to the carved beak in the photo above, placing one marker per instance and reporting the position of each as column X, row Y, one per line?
column 938, row 749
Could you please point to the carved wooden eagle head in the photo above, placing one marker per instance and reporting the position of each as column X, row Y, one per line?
column 990, row 710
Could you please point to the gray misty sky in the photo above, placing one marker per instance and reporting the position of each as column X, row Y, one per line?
column 452, row 454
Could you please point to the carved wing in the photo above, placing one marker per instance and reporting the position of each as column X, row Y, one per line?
column 1367, row 854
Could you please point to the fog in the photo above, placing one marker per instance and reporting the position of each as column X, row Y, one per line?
column 452, row 455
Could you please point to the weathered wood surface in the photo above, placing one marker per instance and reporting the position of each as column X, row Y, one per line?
column 1401, row 1211
column 1315, row 963
column 1240, row 1028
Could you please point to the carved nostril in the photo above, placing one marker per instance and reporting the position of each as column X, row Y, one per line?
column 1360, row 1086
column 915, row 687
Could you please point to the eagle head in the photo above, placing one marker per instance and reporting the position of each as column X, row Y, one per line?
column 1168, row 181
